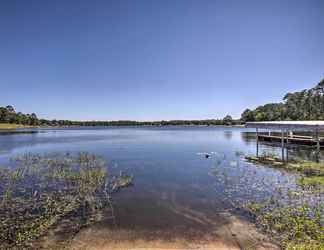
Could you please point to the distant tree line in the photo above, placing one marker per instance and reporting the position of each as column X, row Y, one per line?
column 9, row 115
column 307, row 104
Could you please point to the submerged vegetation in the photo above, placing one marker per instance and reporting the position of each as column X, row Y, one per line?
column 38, row 191
column 294, row 227
column 296, row 218
column 288, row 206
column 312, row 173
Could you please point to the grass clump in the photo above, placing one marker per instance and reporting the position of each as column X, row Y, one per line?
column 312, row 173
column 294, row 227
column 268, row 159
column 39, row 191
column 307, row 168
column 294, row 218
column 312, row 181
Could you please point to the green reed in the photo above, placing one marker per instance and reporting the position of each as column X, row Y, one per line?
column 40, row 190
column 294, row 219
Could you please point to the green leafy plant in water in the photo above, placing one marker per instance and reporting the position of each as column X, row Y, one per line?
column 239, row 153
column 294, row 215
column 40, row 190
column 312, row 173
column 294, row 227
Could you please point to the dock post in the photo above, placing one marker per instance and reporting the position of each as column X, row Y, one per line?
column 287, row 142
column 282, row 146
column 257, row 142
column 318, row 146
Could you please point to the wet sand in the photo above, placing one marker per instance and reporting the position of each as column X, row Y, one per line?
column 236, row 234
column 165, row 224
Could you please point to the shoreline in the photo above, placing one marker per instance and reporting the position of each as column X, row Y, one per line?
column 11, row 126
column 8, row 126
column 229, row 231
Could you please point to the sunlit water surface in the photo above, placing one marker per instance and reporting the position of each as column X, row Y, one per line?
column 175, row 185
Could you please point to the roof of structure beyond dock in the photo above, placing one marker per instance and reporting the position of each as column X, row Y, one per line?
column 289, row 125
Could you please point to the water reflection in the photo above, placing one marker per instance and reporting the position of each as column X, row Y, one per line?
column 176, row 189
column 228, row 134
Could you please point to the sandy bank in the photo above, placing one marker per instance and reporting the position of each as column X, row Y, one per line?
column 234, row 235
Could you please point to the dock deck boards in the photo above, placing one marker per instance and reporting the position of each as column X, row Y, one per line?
column 297, row 139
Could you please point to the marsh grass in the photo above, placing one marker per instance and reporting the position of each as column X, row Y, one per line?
column 312, row 173
column 294, row 227
column 295, row 218
column 40, row 190
column 312, row 181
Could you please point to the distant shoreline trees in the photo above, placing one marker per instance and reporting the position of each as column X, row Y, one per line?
column 307, row 104
column 302, row 105
column 228, row 120
column 9, row 115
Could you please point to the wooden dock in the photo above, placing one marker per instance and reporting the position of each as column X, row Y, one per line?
column 287, row 136
column 295, row 139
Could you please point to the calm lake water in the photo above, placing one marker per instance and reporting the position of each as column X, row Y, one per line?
column 172, row 176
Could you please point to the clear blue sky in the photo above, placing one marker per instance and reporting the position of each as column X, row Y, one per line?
column 152, row 60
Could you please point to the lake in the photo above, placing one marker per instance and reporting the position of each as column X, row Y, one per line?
column 178, row 193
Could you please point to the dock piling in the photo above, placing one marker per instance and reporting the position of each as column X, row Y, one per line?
column 257, row 143
column 318, row 146
column 282, row 146
column 287, row 142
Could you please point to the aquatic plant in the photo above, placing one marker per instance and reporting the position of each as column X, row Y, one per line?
column 312, row 173
column 293, row 215
column 294, row 227
column 40, row 190
column 295, row 219
column 239, row 153
column 312, row 181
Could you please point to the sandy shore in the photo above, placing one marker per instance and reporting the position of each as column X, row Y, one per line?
column 236, row 234
column 147, row 223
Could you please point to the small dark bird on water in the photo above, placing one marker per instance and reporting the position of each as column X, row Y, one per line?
column 207, row 156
